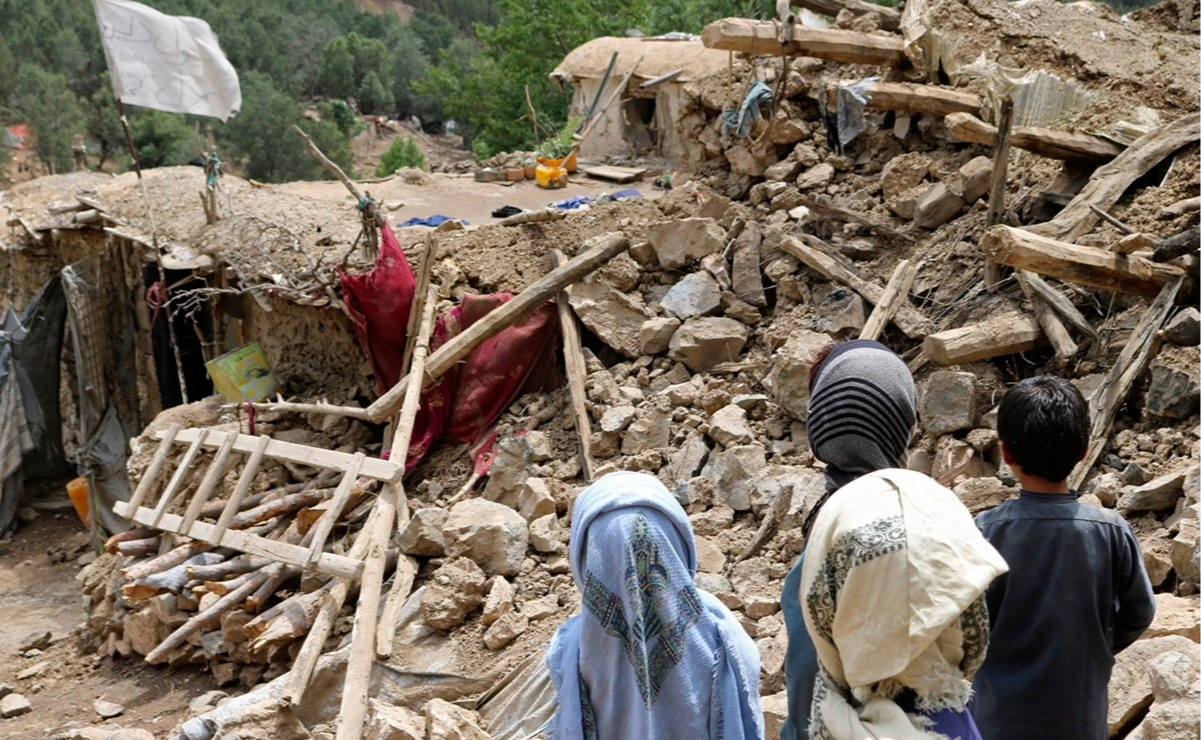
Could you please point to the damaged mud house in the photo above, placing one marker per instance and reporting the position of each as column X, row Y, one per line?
column 994, row 189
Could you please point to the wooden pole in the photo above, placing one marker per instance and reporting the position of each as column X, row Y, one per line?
column 895, row 294
column 1045, row 142
column 573, row 361
column 372, row 218
column 996, row 196
column 1052, row 326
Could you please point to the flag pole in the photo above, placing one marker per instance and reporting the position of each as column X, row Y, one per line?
column 158, row 255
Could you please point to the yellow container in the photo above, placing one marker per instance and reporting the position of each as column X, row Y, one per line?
column 243, row 374
column 550, row 174
column 77, row 491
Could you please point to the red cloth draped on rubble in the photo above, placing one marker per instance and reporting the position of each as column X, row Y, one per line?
column 467, row 400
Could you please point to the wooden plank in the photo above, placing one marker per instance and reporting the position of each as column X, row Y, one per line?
column 244, row 480
column 909, row 97
column 1007, row 334
column 1111, row 180
column 1060, row 303
column 212, row 478
column 895, row 293
column 1131, row 243
column 155, row 468
column 1052, row 326
column 1045, row 142
column 822, row 208
column 811, row 251
column 1129, row 366
column 759, row 37
column 1097, row 268
column 326, row 523
column 573, row 360
column 615, row 174
column 383, row 470
column 281, row 552
column 596, row 252
column 996, row 194
column 177, row 479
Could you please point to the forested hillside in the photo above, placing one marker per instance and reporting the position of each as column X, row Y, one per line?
column 467, row 60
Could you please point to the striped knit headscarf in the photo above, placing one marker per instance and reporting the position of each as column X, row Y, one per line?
column 862, row 409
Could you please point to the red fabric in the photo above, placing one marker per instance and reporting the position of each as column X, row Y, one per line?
column 469, row 398
column 379, row 302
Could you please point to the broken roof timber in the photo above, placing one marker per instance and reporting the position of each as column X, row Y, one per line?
column 759, row 37
column 1045, row 142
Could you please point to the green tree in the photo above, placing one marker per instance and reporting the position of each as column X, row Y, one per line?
column 342, row 116
column 53, row 114
column 104, row 123
column 434, row 31
column 401, row 153
column 373, row 96
column 162, row 139
column 335, row 73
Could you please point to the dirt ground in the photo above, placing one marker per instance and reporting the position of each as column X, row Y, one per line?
column 39, row 594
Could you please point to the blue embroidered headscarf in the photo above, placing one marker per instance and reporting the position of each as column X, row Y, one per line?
column 649, row 655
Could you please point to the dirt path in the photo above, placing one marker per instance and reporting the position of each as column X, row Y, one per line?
column 39, row 594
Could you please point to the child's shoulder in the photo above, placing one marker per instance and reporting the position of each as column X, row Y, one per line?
column 1028, row 513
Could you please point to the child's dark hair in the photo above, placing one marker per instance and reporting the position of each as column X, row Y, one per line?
column 1043, row 423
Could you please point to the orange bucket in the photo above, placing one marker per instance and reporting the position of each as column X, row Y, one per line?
column 77, row 491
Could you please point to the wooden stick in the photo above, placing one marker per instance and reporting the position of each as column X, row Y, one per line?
column 1111, row 180
column 598, row 251
column 996, row 194
column 255, row 601
column 244, row 482
column 172, row 579
column 216, row 472
column 140, row 533
column 177, row 479
column 573, row 360
column 356, row 689
column 1121, row 226
column 169, row 559
column 232, row 567
column 372, row 213
column 1045, row 142
column 221, row 588
column 398, row 594
column 325, row 524
column 812, row 251
column 1060, row 303
column 420, row 296
column 1001, row 335
column 206, row 618
column 1053, row 328
column 155, row 469
column 545, row 215
column 1129, row 366
column 136, row 548
column 1097, row 268
column 1131, row 243
column 895, row 293
column 301, row 454
column 824, row 209
column 1177, row 245
column 759, row 37
column 471, row 481
column 1181, row 207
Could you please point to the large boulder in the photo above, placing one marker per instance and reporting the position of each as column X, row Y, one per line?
column 735, row 471
column 696, row 294
column 423, row 534
column 1159, row 494
column 1174, row 391
column 728, row 427
column 456, row 590
column 491, row 534
column 610, row 314
column 1175, row 615
column 676, row 243
column 654, row 336
column 446, row 721
column 947, row 402
column 702, row 343
column 1130, row 683
column 790, row 371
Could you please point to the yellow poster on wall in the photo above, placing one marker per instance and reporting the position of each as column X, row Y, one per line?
column 243, row 374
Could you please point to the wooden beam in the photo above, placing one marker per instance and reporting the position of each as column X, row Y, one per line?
column 895, row 294
column 595, row 252
column 890, row 18
column 1181, row 207
column 1045, row 142
column 282, row 552
column 1111, row 180
column 759, row 37
column 1096, row 268
column 1129, row 366
column 1052, row 326
column 1001, row 335
column 909, row 97
column 383, row 470
column 1131, row 243
column 573, row 360
column 996, row 194
column 813, row 252
column 1060, row 303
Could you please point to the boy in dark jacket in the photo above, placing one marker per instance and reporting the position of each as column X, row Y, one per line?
column 1077, row 592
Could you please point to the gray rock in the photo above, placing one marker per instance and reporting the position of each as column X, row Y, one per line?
column 790, row 371
column 388, row 722
column 491, row 534
column 1172, row 675
column 815, row 177
column 456, row 590
column 1157, row 495
column 1107, row 487
column 1184, row 553
column 1174, row 391
column 505, row 630
column 947, row 402
column 511, row 465
column 1130, row 683
column 758, row 605
column 903, row 172
column 613, row 316
column 1184, row 328
column 702, row 343
column 688, row 459
column 936, row 205
column 446, row 721
column 423, row 534
column 499, row 601
column 728, row 427
column 709, row 557
column 14, row 705
column 840, row 311
column 107, row 709
column 713, row 583
column 532, row 500
column 976, row 178
column 803, row 487
column 696, row 294
column 746, row 274
column 545, row 534
column 617, row 418
column 206, row 700
column 654, row 336
column 785, row 169
column 735, row 471
column 678, row 242
column 649, row 431
column 744, row 162
column 540, row 446
column 1178, row 719
column 982, row 494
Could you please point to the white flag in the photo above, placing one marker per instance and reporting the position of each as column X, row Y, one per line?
column 168, row 62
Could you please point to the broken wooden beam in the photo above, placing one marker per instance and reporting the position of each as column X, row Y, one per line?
column 1045, row 142
column 1002, row 335
column 1060, row 303
column 822, row 208
column 895, row 293
column 596, row 252
column 1181, row 207
column 1129, row 366
column 573, row 361
column 1131, row 243
column 1177, row 245
column 1052, row 325
column 909, row 97
column 996, row 191
column 889, row 18
column 1112, row 179
column 759, row 37
column 813, row 252
column 1090, row 266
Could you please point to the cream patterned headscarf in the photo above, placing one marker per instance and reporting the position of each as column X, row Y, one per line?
column 892, row 592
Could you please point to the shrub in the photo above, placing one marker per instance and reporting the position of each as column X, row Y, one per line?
column 402, row 153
